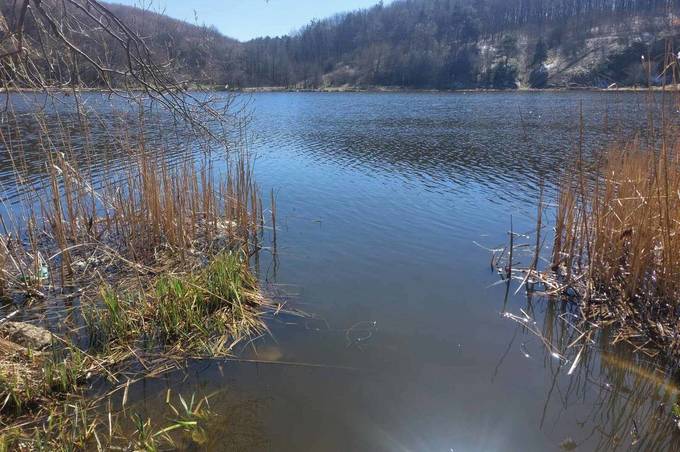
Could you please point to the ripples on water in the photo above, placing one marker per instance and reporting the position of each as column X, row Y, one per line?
column 445, row 142
column 380, row 198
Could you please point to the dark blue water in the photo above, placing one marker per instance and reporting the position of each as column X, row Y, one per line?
column 383, row 202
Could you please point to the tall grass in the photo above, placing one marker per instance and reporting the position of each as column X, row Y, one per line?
column 151, row 212
column 152, row 234
column 616, row 248
column 139, row 211
column 617, row 242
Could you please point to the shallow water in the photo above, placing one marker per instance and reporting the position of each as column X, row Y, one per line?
column 383, row 202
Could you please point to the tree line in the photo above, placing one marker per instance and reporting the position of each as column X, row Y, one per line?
column 437, row 43
column 408, row 43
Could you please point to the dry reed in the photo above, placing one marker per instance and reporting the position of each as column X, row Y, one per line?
column 101, row 212
column 155, row 242
column 3, row 262
column 143, row 211
column 616, row 248
column 617, row 245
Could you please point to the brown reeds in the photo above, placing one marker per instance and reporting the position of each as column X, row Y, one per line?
column 616, row 241
column 154, row 242
column 143, row 207
column 616, row 249
column 616, row 244
column 130, row 229
column 3, row 261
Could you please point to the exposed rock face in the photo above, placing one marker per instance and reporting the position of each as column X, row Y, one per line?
column 26, row 335
column 594, row 57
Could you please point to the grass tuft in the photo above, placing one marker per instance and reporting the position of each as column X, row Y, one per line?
column 198, row 312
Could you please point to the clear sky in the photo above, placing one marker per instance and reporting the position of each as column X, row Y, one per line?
column 247, row 19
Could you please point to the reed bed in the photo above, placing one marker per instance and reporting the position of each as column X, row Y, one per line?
column 128, row 231
column 616, row 248
column 142, row 211
column 154, row 243
column 611, row 281
column 617, row 244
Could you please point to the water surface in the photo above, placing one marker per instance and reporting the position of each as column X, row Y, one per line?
column 383, row 203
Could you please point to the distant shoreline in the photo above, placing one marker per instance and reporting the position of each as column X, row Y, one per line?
column 383, row 89
column 371, row 89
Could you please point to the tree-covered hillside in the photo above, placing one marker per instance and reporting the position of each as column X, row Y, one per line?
column 470, row 43
column 55, row 34
column 445, row 44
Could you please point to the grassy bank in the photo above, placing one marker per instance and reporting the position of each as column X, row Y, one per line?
column 144, row 259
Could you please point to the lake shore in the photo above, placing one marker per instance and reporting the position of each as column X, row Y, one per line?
column 157, row 263
column 396, row 89
column 359, row 89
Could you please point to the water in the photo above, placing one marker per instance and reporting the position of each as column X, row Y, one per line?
column 383, row 202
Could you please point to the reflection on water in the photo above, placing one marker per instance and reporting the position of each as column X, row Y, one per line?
column 623, row 401
column 628, row 397
column 380, row 200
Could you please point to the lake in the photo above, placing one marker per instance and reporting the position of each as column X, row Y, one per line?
column 387, row 203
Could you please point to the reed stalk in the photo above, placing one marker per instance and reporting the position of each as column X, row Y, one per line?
column 4, row 257
column 618, row 243
column 155, row 242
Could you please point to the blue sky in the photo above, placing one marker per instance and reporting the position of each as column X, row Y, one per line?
column 246, row 19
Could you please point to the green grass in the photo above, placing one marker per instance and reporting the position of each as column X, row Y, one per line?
column 77, row 427
column 214, row 302
column 109, row 322
column 13, row 399
column 64, row 370
column 152, row 287
column 33, row 379
column 197, row 312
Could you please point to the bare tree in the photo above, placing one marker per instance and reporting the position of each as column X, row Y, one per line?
column 76, row 44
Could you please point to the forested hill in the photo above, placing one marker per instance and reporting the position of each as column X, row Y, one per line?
column 196, row 53
column 188, row 52
column 472, row 43
column 444, row 44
